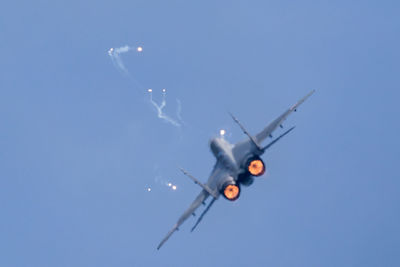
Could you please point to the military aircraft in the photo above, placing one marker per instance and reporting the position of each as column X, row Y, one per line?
column 237, row 164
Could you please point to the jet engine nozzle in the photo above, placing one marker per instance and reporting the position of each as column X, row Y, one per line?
column 230, row 190
column 255, row 166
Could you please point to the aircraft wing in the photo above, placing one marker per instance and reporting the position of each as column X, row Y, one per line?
column 217, row 172
column 196, row 203
column 278, row 121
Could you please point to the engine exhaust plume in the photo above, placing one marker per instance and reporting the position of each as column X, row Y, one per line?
column 159, row 108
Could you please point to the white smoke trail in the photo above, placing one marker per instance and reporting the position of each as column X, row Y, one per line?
column 179, row 111
column 170, row 186
column 159, row 108
column 160, row 182
column 115, row 54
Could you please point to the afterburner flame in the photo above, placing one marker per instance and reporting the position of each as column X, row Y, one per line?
column 256, row 167
column 231, row 192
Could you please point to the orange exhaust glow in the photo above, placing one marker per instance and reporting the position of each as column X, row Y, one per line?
column 256, row 167
column 231, row 192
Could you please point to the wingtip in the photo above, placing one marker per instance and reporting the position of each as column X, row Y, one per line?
column 160, row 245
column 167, row 236
column 194, row 227
column 295, row 106
column 309, row 94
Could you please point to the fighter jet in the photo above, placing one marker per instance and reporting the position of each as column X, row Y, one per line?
column 237, row 164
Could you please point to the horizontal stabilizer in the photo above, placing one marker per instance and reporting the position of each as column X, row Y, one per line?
column 277, row 139
column 204, row 212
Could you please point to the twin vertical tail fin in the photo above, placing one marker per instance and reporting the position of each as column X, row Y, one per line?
column 196, row 181
column 252, row 139
column 267, row 132
column 205, row 188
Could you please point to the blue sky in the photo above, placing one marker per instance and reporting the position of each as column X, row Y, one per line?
column 80, row 143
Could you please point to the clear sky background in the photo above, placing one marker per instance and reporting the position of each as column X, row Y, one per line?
column 80, row 143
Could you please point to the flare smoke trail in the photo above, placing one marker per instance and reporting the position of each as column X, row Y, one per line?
column 160, row 182
column 160, row 108
column 178, row 111
column 114, row 53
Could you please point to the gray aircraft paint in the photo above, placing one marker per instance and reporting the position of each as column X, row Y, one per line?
column 231, row 163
